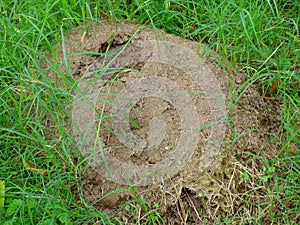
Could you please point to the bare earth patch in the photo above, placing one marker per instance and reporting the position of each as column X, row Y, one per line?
column 229, row 186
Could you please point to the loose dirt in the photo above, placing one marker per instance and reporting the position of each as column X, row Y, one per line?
column 193, row 194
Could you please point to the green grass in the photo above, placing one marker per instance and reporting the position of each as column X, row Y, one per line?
column 37, row 165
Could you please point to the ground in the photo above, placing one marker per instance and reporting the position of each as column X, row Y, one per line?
column 246, row 98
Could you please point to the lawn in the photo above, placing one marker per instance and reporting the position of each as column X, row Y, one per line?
column 41, row 175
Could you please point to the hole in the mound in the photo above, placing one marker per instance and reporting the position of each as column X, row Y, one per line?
column 138, row 66
column 115, row 41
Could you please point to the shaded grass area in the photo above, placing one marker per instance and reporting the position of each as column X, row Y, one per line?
column 39, row 168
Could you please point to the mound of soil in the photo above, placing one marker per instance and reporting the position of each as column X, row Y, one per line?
column 209, row 184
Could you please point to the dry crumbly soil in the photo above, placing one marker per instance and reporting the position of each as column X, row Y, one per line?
column 193, row 195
